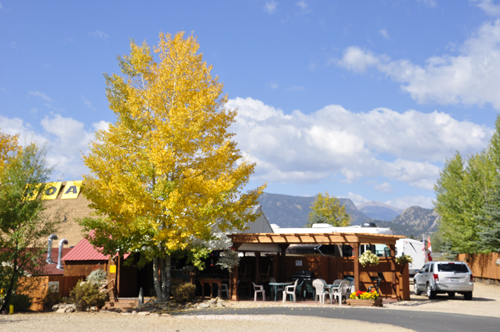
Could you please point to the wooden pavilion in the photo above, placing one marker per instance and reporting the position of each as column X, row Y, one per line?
column 397, row 281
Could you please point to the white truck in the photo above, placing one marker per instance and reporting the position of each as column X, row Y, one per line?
column 415, row 249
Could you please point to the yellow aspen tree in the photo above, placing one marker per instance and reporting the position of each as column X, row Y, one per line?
column 327, row 209
column 167, row 170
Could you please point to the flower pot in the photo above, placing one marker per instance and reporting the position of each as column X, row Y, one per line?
column 365, row 303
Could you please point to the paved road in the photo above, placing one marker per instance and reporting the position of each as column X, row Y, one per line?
column 416, row 320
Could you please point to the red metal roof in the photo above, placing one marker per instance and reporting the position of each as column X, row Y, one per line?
column 50, row 269
column 84, row 251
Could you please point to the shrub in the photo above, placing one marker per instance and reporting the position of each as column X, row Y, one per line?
column 50, row 299
column 86, row 294
column 21, row 302
column 183, row 292
column 97, row 277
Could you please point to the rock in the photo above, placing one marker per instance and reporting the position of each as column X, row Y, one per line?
column 70, row 310
column 166, row 315
column 66, row 308
column 93, row 308
column 55, row 307
column 143, row 313
column 155, row 315
column 126, row 313
column 134, row 312
column 203, row 305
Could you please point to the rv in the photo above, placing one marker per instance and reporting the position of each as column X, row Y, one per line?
column 409, row 247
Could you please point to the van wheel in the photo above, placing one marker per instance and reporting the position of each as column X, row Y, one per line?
column 430, row 293
column 468, row 296
column 415, row 287
column 451, row 294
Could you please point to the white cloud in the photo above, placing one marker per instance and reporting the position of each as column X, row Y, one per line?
column 469, row 78
column 1, row 7
column 488, row 7
column 408, row 201
column 100, row 34
column 356, row 199
column 270, row 6
column 273, row 85
column 65, row 138
column 357, row 59
column 296, row 88
column 429, row 3
column 302, row 5
column 40, row 95
column 88, row 103
column 385, row 187
column 334, row 141
column 384, row 33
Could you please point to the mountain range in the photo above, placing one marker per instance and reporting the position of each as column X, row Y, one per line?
column 292, row 211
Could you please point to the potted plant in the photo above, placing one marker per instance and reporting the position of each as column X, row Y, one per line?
column 362, row 298
column 368, row 258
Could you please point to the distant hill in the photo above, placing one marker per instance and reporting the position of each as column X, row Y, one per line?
column 293, row 211
column 379, row 211
column 414, row 221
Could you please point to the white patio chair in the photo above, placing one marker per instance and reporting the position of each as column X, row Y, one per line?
column 291, row 291
column 342, row 291
column 258, row 289
column 224, row 289
column 319, row 286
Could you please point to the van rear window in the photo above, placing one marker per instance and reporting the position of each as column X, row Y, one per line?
column 461, row 268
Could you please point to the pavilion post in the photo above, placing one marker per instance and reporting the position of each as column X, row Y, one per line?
column 283, row 261
column 234, row 284
column 392, row 247
column 257, row 272
column 356, row 266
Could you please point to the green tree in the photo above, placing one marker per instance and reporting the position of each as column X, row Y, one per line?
column 23, row 225
column 489, row 230
column 167, row 171
column 327, row 209
column 461, row 192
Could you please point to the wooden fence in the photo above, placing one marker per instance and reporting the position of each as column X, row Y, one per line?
column 37, row 287
column 482, row 266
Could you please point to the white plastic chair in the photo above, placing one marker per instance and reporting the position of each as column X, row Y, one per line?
column 319, row 286
column 291, row 291
column 224, row 288
column 258, row 289
column 342, row 291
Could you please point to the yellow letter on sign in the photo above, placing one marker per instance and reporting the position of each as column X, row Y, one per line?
column 71, row 189
column 51, row 190
column 112, row 269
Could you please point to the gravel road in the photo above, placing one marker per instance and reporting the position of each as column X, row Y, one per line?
column 486, row 302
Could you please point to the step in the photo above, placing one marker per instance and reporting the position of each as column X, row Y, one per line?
column 122, row 303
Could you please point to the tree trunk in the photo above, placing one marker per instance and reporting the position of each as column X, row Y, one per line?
column 156, row 278
column 11, row 285
column 165, row 278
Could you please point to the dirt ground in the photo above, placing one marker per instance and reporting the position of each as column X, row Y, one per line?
column 486, row 302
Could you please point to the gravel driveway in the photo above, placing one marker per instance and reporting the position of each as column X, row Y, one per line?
column 486, row 302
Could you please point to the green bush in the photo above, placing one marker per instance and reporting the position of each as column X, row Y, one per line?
column 183, row 292
column 50, row 300
column 21, row 302
column 86, row 294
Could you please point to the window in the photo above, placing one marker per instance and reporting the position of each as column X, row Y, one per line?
column 459, row 268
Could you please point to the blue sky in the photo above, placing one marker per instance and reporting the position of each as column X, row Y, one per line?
column 363, row 99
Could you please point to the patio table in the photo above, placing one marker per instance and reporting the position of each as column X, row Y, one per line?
column 331, row 289
column 275, row 285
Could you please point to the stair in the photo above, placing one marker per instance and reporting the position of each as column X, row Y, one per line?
column 122, row 303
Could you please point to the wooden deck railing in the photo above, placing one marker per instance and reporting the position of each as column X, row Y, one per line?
column 112, row 289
